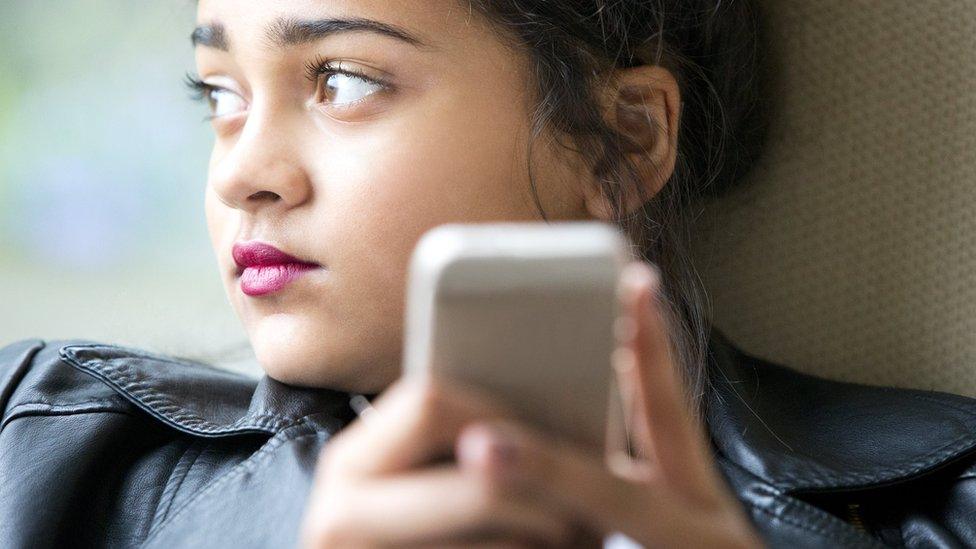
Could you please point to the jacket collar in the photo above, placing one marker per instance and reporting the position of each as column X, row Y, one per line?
column 798, row 432
column 200, row 399
column 802, row 433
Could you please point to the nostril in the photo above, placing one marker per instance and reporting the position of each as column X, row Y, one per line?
column 265, row 194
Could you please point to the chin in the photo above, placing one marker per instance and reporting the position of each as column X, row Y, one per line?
column 295, row 352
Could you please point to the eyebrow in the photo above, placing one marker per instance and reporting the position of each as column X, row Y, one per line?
column 212, row 36
column 292, row 32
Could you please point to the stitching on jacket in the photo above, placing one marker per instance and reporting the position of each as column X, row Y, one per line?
column 162, row 404
column 128, row 382
column 957, row 447
column 798, row 523
column 790, row 503
column 45, row 402
column 120, row 376
column 909, row 537
column 249, row 465
column 948, row 404
column 72, row 409
column 928, row 460
column 840, row 531
column 133, row 352
column 182, row 469
column 16, row 374
column 901, row 535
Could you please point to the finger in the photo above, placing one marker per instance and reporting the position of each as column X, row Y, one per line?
column 673, row 434
column 502, row 542
column 436, row 505
column 414, row 422
column 482, row 544
column 524, row 460
column 563, row 477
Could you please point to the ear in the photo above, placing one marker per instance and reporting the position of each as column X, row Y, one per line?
column 643, row 103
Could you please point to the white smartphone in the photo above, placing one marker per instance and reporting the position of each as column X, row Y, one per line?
column 526, row 311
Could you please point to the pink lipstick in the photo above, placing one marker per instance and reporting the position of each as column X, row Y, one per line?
column 264, row 269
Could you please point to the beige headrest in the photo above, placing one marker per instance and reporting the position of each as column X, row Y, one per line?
column 850, row 250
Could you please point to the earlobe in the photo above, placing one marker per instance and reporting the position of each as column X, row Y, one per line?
column 643, row 103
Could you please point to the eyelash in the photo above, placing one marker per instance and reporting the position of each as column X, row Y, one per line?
column 200, row 90
column 322, row 65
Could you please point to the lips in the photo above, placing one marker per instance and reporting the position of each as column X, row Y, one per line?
column 264, row 269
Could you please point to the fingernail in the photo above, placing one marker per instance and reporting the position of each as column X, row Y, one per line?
column 639, row 274
column 654, row 273
column 486, row 446
column 504, row 450
column 623, row 360
column 502, row 446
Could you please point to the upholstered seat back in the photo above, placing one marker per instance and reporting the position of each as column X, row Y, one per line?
column 850, row 250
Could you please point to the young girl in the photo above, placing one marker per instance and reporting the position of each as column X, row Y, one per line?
column 344, row 130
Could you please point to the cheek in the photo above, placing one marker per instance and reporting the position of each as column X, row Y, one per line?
column 418, row 173
column 454, row 167
column 380, row 191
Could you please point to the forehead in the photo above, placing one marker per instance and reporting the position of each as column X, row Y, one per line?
column 434, row 22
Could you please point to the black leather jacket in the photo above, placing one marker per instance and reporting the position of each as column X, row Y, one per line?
column 103, row 445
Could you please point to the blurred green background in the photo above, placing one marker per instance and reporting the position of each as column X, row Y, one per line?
column 103, row 160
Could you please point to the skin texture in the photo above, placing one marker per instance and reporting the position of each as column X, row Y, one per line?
column 356, row 189
column 352, row 187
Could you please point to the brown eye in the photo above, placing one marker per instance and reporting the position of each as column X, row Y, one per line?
column 344, row 88
column 224, row 102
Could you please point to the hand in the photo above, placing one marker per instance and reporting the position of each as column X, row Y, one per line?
column 386, row 480
column 674, row 497
column 380, row 483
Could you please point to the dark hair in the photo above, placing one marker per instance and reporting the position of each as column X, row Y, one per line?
column 712, row 48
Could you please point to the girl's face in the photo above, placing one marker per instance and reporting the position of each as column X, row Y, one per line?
column 344, row 130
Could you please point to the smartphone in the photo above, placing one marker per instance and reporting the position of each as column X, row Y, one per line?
column 525, row 311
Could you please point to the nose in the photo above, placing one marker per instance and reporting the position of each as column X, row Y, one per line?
column 263, row 168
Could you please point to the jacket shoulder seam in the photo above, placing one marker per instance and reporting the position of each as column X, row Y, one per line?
column 29, row 410
column 61, row 405
column 248, row 465
column 174, row 482
column 10, row 379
